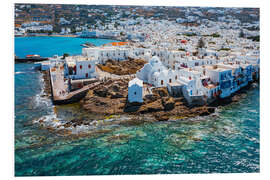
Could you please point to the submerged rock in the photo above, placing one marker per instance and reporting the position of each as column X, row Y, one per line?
column 161, row 117
column 118, row 137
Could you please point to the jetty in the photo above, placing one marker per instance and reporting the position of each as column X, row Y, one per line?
column 60, row 85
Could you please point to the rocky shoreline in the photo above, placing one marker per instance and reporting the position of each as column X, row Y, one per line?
column 47, row 84
column 109, row 99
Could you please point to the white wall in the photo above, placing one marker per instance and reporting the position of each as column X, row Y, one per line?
column 82, row 72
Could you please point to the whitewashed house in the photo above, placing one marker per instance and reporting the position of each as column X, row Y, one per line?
column 154, row 73
column 102, row 54
column 135, row 90
column 221, row 76
column 83, row 69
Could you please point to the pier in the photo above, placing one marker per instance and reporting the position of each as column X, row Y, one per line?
column 61, row 93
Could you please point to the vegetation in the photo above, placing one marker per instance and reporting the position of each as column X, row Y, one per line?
column 122, row 33
column 215, row 35
column 181, row 49
column 253, row 28
column 224, row 49
column 254, row 38
column 192, row 34
column 65, row 55
column 241, row 34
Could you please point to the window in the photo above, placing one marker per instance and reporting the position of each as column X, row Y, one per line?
column 135, row 93
column 161, row 82
column 170, row 80
column 89, row 66
column 175, row 77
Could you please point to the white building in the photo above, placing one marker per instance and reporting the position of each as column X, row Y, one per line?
column 222, row 77
column 82, row 68
column 105, row 53
column 135, row 90
column 156, row 73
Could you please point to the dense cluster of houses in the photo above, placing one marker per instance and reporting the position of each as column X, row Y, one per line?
column 203, row 83
column 220, row 66
column 199, row 80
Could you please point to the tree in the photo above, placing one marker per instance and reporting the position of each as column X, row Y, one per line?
column 65, row 55
column 241, row 34
column 122, row 33
column 201, row 43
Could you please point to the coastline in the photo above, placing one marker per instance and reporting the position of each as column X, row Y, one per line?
column 98, row 112
column 71, row 36
column 46, row 35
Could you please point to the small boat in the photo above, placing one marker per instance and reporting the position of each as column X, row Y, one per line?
column 30, row 58
column 88, row 44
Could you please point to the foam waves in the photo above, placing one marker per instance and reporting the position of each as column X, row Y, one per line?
column 41, row 99
column 20, row 72
column 24, row 72
column 50, row 120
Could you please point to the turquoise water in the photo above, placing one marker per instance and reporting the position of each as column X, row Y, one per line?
column 225, row 142
column 49, row 46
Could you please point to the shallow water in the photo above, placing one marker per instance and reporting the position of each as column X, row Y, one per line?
column 225, row 142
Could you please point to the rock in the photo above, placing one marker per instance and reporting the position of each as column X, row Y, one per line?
column 131, row 108
column 90, row 94
column 151, row 107
column 211, row 109
column 101, row 92
column 68, row 124
column 161, row 117
column 115, row 95
column 150, row 98
column 162, row 91
column 115, row 88
column 132, row 122
column 168, row 103
column 204, row 113
column 99, row 102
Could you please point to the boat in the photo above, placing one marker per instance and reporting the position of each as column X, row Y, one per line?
column 88, row 44
column 30, row 58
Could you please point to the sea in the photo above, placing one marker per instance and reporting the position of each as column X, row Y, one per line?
column 227, row 141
